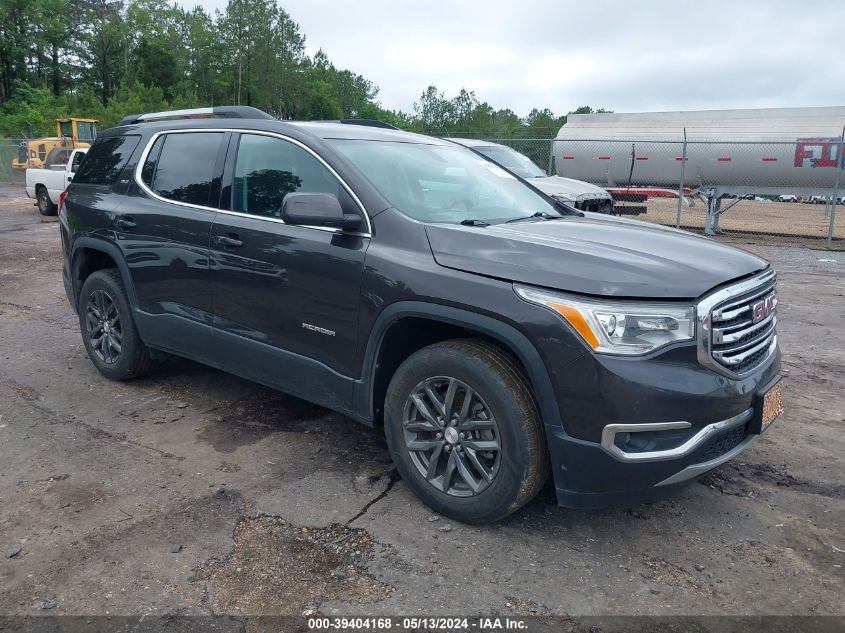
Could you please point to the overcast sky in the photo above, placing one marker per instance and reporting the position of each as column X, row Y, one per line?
column 626, row 55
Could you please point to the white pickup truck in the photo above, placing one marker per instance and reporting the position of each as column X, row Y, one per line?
column 47, row 184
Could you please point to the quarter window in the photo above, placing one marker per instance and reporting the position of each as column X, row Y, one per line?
column 149, row 168
column 269, row 168
column 180, row 167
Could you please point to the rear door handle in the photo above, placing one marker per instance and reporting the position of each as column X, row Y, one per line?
column 124, row 223
column 230, row 240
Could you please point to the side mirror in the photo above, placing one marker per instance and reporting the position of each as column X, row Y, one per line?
column 318, row 209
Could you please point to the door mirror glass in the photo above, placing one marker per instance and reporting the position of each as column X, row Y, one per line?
column 318, row 209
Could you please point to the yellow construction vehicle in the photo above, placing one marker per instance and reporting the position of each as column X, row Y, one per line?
column 71, row 133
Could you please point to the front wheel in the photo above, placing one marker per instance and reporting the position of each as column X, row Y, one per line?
column 464, row 431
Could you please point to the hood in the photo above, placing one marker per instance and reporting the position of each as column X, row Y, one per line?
column 568, row 188
column 593, row 255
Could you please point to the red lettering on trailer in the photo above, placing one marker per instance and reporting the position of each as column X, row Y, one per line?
column 681, row 158
column 822, row 152
column 604, row 157
column 724, row 159
column 769, row 159
column 642, row 157
column 568, row 158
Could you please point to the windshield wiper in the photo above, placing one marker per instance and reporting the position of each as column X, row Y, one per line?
column 540, row 214
column 474, row 222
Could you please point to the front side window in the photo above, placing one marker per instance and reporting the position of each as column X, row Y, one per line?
column 437, row 183
column 66, row 128
column 269, row 168
column 106, row 159
column 181, row 167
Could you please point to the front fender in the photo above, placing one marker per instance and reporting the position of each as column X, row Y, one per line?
column 504, row 333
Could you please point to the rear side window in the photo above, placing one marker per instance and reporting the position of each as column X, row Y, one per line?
column 106, row 159
column 180, row 167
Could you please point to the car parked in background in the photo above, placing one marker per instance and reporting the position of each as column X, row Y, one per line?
column 495, row 334
column 47, row 184
column 576, row 193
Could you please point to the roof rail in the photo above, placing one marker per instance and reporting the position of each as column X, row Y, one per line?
column 229, row 112
column 369, row 123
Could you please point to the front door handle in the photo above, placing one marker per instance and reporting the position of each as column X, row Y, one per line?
column 230, row 240
column 124, row 223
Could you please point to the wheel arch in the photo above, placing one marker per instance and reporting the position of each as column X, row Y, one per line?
column 447, row 322
column 89, row 255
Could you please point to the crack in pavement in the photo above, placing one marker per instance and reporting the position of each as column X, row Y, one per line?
column 393, row 478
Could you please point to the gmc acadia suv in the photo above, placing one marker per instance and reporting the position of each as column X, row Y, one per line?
column 409, row 283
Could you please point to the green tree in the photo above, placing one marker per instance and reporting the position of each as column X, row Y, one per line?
column 104, row 48
column 132, row 99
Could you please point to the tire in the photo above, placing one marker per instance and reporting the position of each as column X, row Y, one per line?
column 118, row 353
column 45, row 205
column 515, row 471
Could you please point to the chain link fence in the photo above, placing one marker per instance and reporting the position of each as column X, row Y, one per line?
column 9, row 151
column 774, row 191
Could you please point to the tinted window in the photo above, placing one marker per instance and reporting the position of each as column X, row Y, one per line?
column 185, row 166
column 106, row 159
column 268, row 168
column 149, row 168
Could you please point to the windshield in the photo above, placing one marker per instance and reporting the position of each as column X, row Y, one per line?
column 435, row 183
column 514, row 161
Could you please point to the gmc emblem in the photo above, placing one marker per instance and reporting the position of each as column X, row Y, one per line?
column 763, row 309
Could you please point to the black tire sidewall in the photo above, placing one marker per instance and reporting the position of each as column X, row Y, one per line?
column 502, row 496
column 48, row 208
column 132, row 348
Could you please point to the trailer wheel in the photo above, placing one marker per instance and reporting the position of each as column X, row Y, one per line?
column 45, row 205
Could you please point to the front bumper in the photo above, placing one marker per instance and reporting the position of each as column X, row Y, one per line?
column 694, row 420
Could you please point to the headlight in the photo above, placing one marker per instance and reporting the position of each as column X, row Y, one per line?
column 619, row 327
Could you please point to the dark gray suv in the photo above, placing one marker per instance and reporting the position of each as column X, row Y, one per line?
column 494, row 333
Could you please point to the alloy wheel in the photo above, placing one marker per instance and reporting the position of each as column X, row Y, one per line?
column 105, row 334
column 452, row 437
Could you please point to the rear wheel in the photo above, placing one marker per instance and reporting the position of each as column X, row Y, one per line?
column 45, row 205
column 108, row 330
column 464, row 431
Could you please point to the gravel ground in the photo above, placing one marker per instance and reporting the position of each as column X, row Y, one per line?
column 790, row 222
column 195, row 492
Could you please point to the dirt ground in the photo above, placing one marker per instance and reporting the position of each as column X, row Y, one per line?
column 786, row 220
column 194, row 492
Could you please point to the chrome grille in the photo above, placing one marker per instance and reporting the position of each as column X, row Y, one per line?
column 740, row 325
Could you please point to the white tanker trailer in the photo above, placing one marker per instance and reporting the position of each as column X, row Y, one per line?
column 789, row 151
